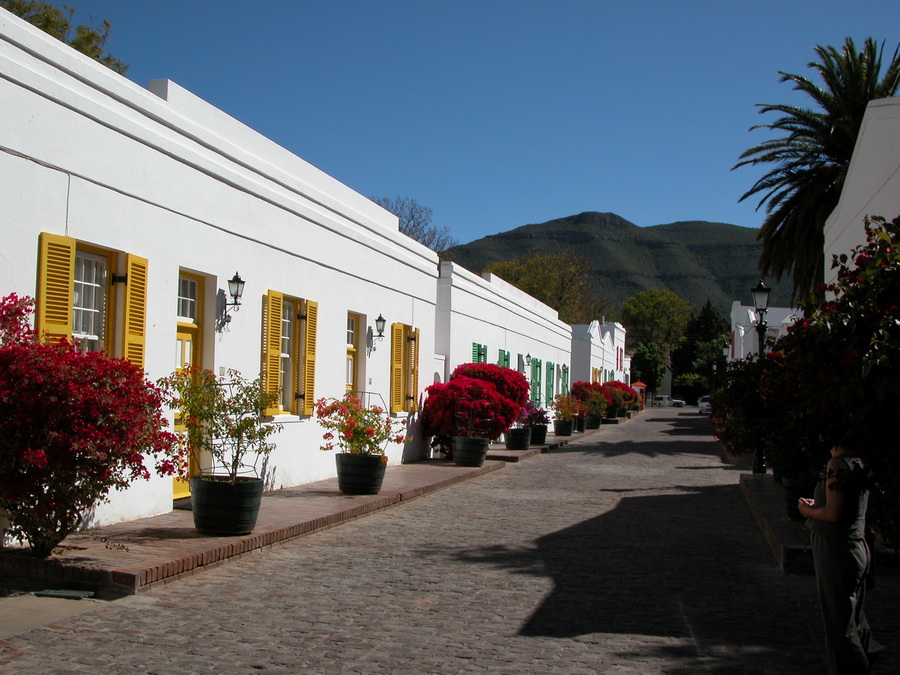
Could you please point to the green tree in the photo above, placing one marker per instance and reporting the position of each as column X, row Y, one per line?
column 656, row 316
column 559, row 280
column 648, row 365
column 58, row 23
column 415, row 222
column 702, row 345
column 809, row 164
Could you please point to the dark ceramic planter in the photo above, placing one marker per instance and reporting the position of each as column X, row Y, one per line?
column 360, row 474
column 593, row 422
column 225, row 509
column 469, row 451
column 538, row 434
column 518, row 439
column 563, row 427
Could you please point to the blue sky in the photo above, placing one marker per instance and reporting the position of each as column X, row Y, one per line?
column 496, row 113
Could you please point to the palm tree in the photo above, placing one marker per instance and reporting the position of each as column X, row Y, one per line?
column 809, row 165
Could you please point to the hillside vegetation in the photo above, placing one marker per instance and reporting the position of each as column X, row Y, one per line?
column 697, row 260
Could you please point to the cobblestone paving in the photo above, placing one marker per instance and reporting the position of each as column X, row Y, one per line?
column 629, row 552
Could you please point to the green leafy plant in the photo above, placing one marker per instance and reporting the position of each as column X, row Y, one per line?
column 222, row 420
column 567, row 407
column 73, row 427
column 355, row 428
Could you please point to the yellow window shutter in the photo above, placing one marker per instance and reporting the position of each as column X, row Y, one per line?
column 56, row 273
column 414, row 371
column 271, row 367
column 397, row 392
column 134, row 320
column 310, row 331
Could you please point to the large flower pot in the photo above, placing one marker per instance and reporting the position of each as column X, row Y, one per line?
column 538, row 434
column 593, row 422
column 579, row 424
column 222, row 508
column 360, row 474
column 518, row 439
column 563, row 427
column 469, row 451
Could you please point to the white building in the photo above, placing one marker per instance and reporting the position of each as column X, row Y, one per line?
column 872, row 185
column 126, row 210
column 744, row 334
column 484, row 319
column 598, row 352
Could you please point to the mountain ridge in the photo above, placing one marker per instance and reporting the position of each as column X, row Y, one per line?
column 697, row 260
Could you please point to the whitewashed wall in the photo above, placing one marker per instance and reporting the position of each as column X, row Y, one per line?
column 489, row 311
column 872, row 186
column 744, row 336
column 166, row 176
column 600, row 345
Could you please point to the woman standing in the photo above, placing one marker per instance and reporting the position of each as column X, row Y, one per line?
column 837, row 524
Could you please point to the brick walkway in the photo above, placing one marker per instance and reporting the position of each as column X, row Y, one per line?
column 630, row 551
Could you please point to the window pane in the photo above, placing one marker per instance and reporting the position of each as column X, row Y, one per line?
column 287, row 350
column 187, row 299
column 89, row 301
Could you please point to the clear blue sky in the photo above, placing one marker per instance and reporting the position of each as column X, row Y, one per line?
column 499, row 113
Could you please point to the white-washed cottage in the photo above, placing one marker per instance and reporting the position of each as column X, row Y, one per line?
column 598, row 352
column 127, row 211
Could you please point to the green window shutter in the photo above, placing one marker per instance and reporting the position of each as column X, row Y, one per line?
column 548, row 383
column 536, row 381
column 565, row 380
column 475, row 350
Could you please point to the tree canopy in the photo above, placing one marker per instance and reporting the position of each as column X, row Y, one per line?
column 415, row 222
column 58, row 23
column 808, row 165
column 656, row 316
column 559, row 280
column 648, row 365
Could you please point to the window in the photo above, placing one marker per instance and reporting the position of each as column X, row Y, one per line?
column 188, row 299
column 564, row 386
column 354, row 321
column 89, row 301
column 479, row 353
column 77, row 296
column 503, row 358
column 404, row 368
column 289, row 352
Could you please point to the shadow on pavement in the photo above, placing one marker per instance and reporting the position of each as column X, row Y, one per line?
column 669, row 566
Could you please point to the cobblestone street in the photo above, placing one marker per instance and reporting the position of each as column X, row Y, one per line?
column 632, row 551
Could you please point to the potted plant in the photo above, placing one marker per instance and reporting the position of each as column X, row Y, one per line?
column 471, row 408
column 566, row 408
column 73, row 426
column 536, row 418
column 224, row 427
column 596, row 400
column 362, row 434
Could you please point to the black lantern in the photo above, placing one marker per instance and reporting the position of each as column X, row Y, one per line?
column 236, row 289
column 379, row 325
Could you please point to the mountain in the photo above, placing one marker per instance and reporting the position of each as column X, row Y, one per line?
column 697, row 260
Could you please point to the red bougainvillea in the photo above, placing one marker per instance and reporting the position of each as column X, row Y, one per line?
column 73, row 426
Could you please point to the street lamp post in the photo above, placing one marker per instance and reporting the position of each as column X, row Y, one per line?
column 760, row 304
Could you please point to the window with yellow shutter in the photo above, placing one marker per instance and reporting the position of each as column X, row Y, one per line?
column 77, row 285
column 289, row 352
column 404, row 396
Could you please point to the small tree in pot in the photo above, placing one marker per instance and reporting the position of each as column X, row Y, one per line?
column 225, row 428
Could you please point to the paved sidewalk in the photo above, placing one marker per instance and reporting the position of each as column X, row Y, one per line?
column 135, row 556
column 629, row 551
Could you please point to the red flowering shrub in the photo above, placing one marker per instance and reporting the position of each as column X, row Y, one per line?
column 73, row 426
column 509, row 383
column 595, row 397
column 628, row 396
column 465, row 406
